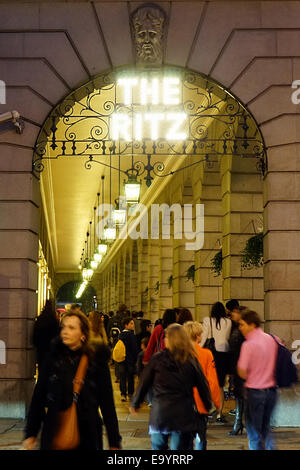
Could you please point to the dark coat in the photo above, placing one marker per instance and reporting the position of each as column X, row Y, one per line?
column 46, row 327
column 54, row 391
column 129, row 339
column 140, row 336
column 173, row 406
column 235, row 343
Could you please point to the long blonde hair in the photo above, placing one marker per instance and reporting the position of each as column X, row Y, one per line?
column 179, row 344
column 97, row 326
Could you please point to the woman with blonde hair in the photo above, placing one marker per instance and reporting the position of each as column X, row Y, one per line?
column 96, row 320
column 172, row 374
column 194, row 331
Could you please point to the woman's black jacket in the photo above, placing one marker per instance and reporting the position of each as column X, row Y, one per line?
column 54, row 391
column 173, row 407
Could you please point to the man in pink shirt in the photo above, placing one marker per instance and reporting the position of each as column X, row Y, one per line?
column 256, row 365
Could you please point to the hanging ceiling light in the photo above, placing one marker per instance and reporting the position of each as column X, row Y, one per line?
column 94, row 264
column 119, row 213
column 102, row 248
column 132, row 189
column 97, row 257
column 109, row 232
column 87, row 274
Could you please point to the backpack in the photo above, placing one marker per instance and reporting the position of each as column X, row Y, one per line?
column 114, row 332
column 119, row 352
column 285, row 370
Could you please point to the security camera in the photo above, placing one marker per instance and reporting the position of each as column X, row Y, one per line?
column 9, row 116
column 10, row 120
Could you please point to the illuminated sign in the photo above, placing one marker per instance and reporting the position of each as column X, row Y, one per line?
column 148, row 108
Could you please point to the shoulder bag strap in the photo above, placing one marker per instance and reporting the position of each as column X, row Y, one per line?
column 211, row 334
column 80, row 374
column 159, row 341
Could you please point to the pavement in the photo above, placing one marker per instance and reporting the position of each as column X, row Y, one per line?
column 134, row 430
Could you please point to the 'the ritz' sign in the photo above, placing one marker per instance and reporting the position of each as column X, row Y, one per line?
column 148, row 108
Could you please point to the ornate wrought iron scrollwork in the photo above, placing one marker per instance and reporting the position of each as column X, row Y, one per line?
column 218, row 125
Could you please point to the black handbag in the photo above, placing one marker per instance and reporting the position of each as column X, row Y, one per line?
column 210, row 342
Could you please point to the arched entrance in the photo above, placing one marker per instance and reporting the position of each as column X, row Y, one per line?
column 81, row 137
column 67, row 295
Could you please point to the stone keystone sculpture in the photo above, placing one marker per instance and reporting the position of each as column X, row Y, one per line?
column 147, row 26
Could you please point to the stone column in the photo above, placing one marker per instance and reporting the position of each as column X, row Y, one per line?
column 183, row 259
column 242, row 211
column 153, row 278
column 208, row 286
column 165, row 271
column 121, row 280
column 117, row 290
column 19, row 226
column 282, row 235
column 134, row 278
column 127, row 278
column 142, row 246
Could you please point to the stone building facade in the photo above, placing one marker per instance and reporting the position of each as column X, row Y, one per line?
column 48, row 50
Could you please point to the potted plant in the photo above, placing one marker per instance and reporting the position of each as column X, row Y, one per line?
column 190, row 274
column 170, row 281
column 217, row 263
column 252, row 254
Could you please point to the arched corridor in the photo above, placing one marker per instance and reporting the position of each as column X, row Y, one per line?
column 207, row 128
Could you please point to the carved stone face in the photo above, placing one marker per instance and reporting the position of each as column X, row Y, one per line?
column 147, row 24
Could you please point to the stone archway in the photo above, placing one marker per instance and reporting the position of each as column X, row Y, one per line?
column 67, row 295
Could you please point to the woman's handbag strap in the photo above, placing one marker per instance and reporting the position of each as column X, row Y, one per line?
column 211, row 334
column 80, row 374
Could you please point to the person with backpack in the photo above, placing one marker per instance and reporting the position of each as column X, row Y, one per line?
column 257, row 365
column 114, row 327
column 127, row 367
column 115, row 321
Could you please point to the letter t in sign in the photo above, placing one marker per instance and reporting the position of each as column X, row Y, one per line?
column 128, row 84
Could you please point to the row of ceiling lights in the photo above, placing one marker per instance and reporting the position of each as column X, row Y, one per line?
column 89, row 261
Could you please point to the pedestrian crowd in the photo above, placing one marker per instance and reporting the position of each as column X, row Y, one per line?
column 182, row 368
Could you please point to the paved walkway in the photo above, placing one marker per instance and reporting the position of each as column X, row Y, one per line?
column 134, row 431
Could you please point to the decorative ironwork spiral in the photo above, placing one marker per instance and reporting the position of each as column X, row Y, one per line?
column 66, row 109
column 233, row 108
column 139, row 167
column 100, row 131
column 158, row 167
column 88, row 164
column 109, row 106
column 38, row 165
column 190, row 77
column 198, row 130
column 188, row 105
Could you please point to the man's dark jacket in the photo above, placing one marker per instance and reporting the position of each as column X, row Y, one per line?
column 129, row 339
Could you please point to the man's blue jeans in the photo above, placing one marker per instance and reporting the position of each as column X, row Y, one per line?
column 178, row 441
column 260, row 404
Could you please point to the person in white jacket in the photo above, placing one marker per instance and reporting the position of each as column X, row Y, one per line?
column 218, row 326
